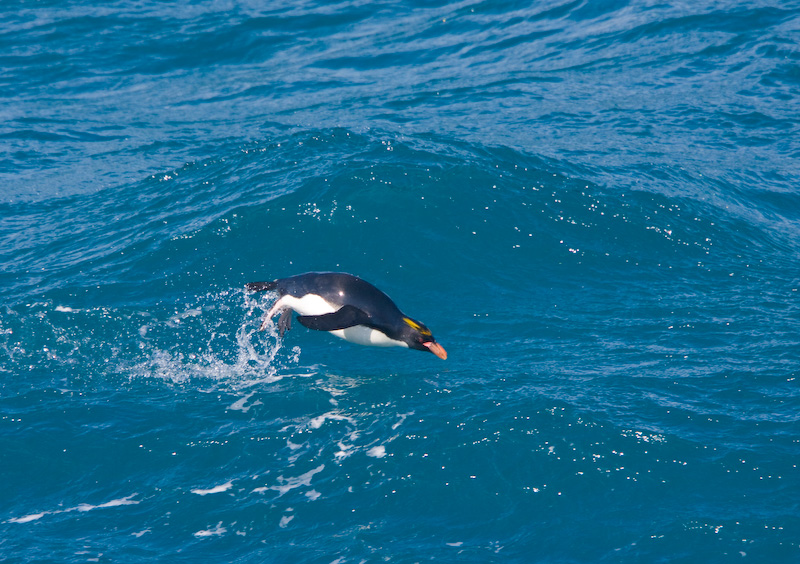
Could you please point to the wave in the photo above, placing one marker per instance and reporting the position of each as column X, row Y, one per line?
column 230, row 216
column 145, row 279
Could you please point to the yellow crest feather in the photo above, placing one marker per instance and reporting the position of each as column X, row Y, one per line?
column 414, row 325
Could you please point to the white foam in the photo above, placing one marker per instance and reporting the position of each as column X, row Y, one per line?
column 377, row 451
column 29, row 518
column 215, row 532
column 83, row 507
column 178, row 317
column 112, row 503
column 285, row 521
column 402, row 417
column 288, row 484
column 216, row 489
column 344, row 451
column 239, row 405
column 65, row 309
column 317, row 422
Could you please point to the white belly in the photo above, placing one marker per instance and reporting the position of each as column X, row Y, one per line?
column 312, row 304
column 367, row 336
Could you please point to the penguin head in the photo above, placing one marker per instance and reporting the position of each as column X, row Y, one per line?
column 419, row 337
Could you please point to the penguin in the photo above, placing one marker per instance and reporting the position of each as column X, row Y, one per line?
column 348, row 307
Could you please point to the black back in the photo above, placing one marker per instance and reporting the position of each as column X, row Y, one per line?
column 342, row 289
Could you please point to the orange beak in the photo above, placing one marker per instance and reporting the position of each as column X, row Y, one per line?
column 437, row 349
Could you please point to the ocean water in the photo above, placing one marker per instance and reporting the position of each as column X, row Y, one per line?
column 595, row 206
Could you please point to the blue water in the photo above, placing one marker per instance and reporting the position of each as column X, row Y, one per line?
column 595, row 206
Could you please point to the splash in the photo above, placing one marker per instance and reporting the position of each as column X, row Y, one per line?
column 199, row 342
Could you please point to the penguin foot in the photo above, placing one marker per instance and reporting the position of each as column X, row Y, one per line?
column 285, row 322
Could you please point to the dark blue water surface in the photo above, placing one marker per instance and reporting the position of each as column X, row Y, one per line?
column 595, row 206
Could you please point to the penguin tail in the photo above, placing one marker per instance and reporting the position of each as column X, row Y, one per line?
column 260, row 286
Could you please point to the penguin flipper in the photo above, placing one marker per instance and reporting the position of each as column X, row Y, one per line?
column 346, row 316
